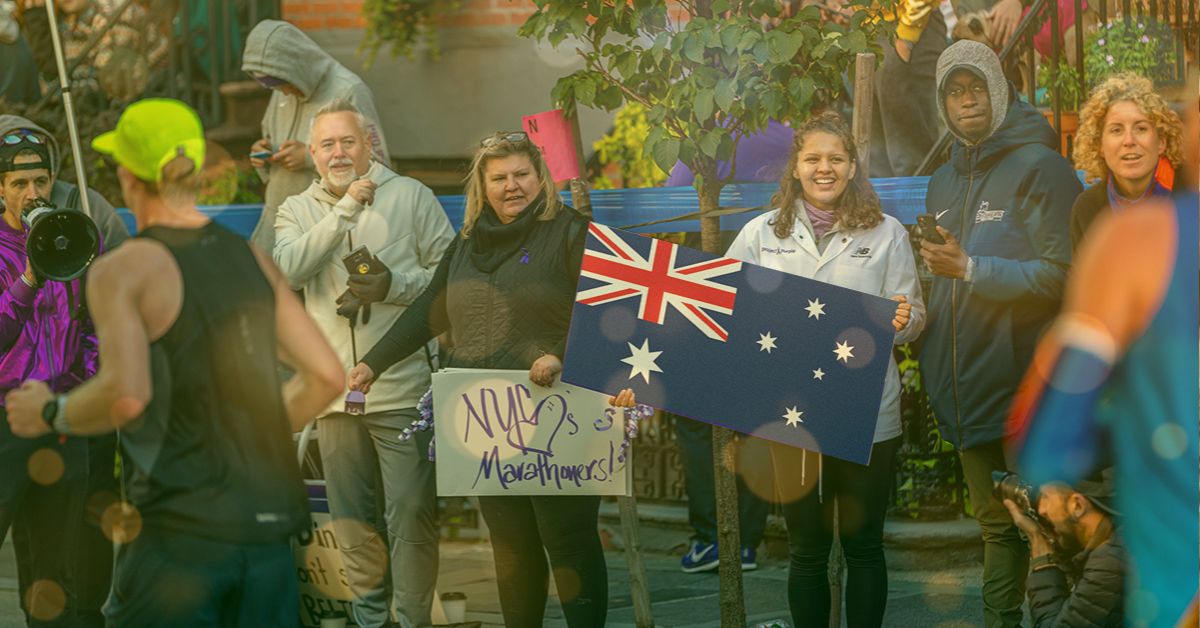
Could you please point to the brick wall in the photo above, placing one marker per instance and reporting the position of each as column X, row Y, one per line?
column 315, row 15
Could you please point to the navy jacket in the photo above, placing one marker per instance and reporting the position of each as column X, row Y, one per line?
column 1008, row 201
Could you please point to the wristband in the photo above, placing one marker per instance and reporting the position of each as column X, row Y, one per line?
column 1045, row 561
column 26, row 281
column 60, row 415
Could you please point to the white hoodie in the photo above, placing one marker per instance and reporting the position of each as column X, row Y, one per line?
column 405, row 227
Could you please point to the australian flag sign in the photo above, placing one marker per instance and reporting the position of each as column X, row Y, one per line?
column 721, row 341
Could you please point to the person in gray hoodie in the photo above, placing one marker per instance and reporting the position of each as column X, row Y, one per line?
column 94, row 551
column 1003, row 204
column 303, row 79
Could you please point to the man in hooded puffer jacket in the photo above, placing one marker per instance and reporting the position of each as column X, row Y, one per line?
column 302, row 78
column 1003, row 204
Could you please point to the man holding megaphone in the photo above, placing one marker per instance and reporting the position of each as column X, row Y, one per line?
column 94, row 555
column 43, row 481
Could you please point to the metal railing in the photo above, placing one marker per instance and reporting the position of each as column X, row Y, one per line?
column 205, row 39
column 206, row 42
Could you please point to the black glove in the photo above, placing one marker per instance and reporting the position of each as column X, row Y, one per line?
column 371, row 287
column 349, row 305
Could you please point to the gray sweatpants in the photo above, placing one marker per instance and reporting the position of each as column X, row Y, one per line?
column 367, row 464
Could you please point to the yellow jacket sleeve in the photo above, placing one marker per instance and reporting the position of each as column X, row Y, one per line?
column 912, row 16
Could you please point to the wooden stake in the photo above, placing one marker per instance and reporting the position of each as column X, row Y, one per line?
column 643, row 615
column 864, row 98
column 627, row 504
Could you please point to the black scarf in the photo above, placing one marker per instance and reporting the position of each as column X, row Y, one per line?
column 492, row 241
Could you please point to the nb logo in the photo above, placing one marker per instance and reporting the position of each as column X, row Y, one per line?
column 862, row 251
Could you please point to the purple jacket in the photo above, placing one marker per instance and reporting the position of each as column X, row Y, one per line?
column 37, row 336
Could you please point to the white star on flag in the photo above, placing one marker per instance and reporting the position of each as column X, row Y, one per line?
column 815, row 308
column 642, row 360
column 819, row 374
column 843, row 351
column 766, row 342
column 793, row 417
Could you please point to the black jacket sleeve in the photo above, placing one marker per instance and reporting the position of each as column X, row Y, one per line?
column 1096, row 600
column 576, row 243
column 36, row 28
column 1087, row 206
column 420, row 323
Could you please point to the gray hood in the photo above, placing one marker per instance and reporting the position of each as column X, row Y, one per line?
column 9, row 29
column 10, row 123
column 283, row 51
column 984, row 62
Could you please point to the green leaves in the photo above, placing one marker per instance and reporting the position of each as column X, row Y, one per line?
column 704, row 104
column 703, row 82
column 665, row 153
column 710, row 142
column 725, row 93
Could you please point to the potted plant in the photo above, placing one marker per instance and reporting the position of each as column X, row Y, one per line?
column 1117, row 46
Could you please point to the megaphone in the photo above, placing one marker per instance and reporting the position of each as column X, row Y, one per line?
column 61, row 243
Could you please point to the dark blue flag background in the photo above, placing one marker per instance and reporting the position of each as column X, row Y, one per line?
column 803, row 363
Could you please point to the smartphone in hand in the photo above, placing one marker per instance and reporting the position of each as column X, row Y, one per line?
column 928, row 224
column 265, row 154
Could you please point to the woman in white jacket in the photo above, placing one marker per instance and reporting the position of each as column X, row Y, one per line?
column 829, row 226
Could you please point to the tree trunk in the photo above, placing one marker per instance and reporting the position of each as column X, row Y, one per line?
column 733, row 607
column 710, row 226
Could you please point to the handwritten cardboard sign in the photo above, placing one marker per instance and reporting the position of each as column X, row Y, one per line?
column 499, row 434
column 551, row 132
column 324, row 585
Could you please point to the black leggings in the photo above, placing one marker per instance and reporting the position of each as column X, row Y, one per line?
column 524, row 530
column 861, row 494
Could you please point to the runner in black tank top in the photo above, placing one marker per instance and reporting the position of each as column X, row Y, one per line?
column 213, row 455
column 190, row 321
column 210, row 465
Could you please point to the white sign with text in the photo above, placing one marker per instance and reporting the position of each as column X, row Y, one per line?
column 497, row 433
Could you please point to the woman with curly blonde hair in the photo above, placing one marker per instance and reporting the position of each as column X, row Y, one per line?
column 1128, row 144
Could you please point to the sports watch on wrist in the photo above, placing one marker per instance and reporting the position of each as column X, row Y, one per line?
column 54, row 414
column 49, row 412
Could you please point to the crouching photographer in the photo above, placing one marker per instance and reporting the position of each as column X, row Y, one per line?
column 1077, row 559
column 43, row 481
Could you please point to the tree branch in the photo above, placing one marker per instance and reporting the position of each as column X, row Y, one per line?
column 595, row 66
column 629, row 93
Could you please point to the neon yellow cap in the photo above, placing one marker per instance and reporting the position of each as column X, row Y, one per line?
column 150, row 134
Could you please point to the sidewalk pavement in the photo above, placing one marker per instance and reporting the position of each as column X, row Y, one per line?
column 938, row 598
column 925, row 589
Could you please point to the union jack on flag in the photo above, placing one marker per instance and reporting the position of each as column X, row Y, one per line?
column 656, row 282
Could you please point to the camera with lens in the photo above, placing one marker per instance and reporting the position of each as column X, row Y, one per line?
column 61, row 243
column 1009, row 485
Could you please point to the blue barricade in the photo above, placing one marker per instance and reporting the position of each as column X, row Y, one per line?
column 902, row 197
